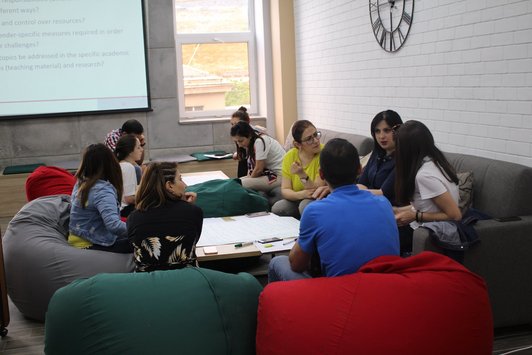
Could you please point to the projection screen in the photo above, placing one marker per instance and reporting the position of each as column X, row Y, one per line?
column 70, row 57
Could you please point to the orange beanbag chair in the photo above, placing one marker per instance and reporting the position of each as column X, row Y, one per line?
column 424, row 304
column 47, row 181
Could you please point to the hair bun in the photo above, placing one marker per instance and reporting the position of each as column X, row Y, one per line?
column 243, row 109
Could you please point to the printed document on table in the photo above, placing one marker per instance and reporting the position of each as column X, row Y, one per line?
column 237, row 229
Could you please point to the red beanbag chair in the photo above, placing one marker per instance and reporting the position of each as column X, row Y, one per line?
column 424, row 304
column 47, row 181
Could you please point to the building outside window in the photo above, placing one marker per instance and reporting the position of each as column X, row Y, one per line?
column 216, row 57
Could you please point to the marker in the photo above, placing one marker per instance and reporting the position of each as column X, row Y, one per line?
column 290, row 241
column 246, row 244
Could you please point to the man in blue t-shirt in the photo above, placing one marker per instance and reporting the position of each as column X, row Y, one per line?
column 346, row 230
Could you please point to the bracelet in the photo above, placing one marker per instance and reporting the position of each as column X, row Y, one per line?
column 417, row 216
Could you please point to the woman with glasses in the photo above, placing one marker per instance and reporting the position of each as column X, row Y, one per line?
column 379, row 174
column 425, row 181
column 300, row 170
column 166, row 225
column 264, row 156
column 95, row 213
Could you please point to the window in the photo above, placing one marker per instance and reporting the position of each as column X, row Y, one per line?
column 216, row 60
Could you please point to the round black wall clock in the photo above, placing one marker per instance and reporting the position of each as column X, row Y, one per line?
column 391, row 21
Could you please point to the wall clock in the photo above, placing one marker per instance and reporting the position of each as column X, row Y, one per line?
column 391, row 21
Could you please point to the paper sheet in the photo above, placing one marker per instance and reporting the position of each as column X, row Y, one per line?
column 283, row 245
column 236, row 229
column 197, row 178
column 223, row 156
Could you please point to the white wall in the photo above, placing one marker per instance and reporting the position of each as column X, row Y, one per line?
column 465, row 71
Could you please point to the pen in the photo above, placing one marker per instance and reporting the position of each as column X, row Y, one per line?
column 240, row 245
column 290, row 241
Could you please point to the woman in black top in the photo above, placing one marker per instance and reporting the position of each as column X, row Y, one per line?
column 166, row 225
column 379, row 174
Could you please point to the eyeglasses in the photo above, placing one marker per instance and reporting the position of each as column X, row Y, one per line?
column 310, row 139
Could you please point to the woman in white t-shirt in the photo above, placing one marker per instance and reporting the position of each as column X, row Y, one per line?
column 128, row 150
column 425, row 181
column 264, row 157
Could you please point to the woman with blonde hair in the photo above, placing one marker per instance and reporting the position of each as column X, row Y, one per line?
column 166, row 225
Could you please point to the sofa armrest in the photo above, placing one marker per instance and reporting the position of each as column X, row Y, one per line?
column 503, row 259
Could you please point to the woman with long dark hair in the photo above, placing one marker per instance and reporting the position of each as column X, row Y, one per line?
column 128, row 150
column 425, row 181
column 240, row 115
column 95, row 213
column 378, row 175
column 264, row 156
column 166, row 225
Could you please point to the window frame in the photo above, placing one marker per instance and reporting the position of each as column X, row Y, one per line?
column 248, row 37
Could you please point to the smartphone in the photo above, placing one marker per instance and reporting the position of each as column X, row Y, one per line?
column 508, row 219
column 269, row 240
column 258, row 214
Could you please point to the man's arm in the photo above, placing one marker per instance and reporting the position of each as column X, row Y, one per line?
column 299, row 260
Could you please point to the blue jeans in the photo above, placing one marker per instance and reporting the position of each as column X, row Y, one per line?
column 279, row 270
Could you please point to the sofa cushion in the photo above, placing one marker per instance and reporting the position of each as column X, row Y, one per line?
column 425, row 304
column 501, row 188
column 187, row 311
column 465, row 186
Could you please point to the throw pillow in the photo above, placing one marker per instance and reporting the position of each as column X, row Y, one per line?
column 465, row 186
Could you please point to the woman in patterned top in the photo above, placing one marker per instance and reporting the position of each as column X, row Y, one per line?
column 166, row 225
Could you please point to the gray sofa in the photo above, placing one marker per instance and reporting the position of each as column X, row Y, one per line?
column 504, row 255
column 364, row 144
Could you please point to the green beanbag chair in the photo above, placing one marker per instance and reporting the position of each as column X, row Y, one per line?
column 186, row 311
column 227, row 197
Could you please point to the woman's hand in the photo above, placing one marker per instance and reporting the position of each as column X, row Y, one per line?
column 190, row 197
column 404, row 216
column 307, row 193
column 297, row 169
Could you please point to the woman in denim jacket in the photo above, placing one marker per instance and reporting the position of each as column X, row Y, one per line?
column 95, row 213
